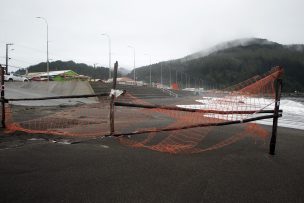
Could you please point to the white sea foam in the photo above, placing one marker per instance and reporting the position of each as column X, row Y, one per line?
column 293, row 111
column 293, row 115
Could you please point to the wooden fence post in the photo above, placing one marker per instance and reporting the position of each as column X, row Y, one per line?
column 278, row 90
column 112, row 100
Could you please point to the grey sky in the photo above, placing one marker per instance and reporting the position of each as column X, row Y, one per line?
column 165, row 29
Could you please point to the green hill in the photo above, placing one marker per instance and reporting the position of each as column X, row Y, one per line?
column 231, row 63
column 80, row 68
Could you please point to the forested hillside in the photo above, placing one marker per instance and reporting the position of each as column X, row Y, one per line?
column 218, row 67
column 233, row 63
column 80, row 68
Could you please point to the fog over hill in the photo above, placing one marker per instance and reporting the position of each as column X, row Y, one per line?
column 227, row 45
column 220, row 66
column 232, row 62
column 123, row 71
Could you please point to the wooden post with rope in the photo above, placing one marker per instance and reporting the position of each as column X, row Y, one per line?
column 278, row 90
column 112, row 99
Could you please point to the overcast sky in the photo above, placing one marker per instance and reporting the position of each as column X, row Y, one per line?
column 164, row 29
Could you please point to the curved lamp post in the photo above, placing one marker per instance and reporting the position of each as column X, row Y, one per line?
column 150, row 68
column 47, row 47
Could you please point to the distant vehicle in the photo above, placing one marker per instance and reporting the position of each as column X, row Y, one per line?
column 11, row 77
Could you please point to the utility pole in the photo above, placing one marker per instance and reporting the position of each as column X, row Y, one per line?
column 6, row 58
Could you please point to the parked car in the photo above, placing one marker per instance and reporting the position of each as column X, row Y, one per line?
column 11, row 77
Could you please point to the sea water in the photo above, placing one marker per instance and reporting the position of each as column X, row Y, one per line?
column 293, row 114
column 293, row 109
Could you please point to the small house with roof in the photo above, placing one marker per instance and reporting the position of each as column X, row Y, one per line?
column 61, row 75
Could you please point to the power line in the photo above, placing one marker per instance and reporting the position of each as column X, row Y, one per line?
column 13, row 66
column 21, row 61
column 33, row 49
column 14, row 59
column 27, row 47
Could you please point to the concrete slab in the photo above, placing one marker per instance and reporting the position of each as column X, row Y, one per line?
column 17, row 90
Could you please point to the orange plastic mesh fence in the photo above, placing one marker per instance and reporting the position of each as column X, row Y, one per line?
column 77, row 120
column 255, row 95
column 92, row 120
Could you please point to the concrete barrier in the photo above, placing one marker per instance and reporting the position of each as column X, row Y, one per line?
column 16, row 90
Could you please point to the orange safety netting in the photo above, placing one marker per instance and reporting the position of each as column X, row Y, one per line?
column 253, row 96
column 92, row 120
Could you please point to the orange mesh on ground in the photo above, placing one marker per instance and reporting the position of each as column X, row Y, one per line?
column 82, row 120
column 92, row 120
column 256, row 96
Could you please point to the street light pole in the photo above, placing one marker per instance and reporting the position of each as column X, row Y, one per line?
column 181, row 81
column 108, row 36
column 186, row 80
column 47, row 47
column 6, row 58
column 94, row 65
column 133, row 61
column 170, row 76
column 161, row 74
column 150, row 69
